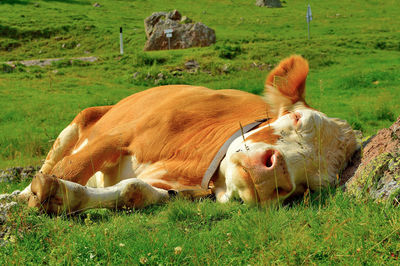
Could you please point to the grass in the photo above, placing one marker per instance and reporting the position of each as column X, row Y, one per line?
column 210, row 233
column 354, row 74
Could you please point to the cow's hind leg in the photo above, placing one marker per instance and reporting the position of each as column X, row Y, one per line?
column 60, row 196
column 67, row 141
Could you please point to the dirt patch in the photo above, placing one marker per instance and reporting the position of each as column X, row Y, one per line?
column 48, row 62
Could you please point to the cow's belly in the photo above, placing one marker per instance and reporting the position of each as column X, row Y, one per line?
column 129, row 167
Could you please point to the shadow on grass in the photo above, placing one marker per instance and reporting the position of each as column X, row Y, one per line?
column 27, row 2
column 313, row 199
column 14, row 2
column 96, row 216
column 76, row 2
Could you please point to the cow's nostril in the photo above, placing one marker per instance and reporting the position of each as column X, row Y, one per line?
column 269, row 158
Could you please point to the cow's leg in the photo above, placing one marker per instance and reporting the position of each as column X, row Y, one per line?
column 60, row 196
column 66, row 142
column 69, row 140
column 77, row 168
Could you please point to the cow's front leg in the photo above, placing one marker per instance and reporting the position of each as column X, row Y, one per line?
column 60, row 196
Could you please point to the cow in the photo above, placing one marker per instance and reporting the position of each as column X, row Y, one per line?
column 167, row 141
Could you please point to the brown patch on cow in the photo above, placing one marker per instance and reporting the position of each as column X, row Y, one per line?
column 180, row 126
column 161, row 185
column 89, row 116
column 266, row 135
column 134, row 199
column 289, row 77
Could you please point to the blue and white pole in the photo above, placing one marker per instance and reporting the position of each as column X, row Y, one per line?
column 309, row 18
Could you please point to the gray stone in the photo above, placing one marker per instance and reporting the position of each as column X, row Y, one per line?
column 151, row 21
column 226, row 68
column 269, row 3
column 183, row 35
column 174, row 15
column 135, row 75
column 186, row 20
column 192, row 64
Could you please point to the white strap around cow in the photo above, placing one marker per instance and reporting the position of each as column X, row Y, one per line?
column 222, row 151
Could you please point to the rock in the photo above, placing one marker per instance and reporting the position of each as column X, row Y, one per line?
column 174, row 15
column 3, row 219
column 377, row 171
column 160, row 76
column 269, row 3
column 226, row 68
column 185, row 20
column 135, row 75
column 4, row 208
column 151, row 21
column 184, row 35
column 18, row 173
column 192, row 64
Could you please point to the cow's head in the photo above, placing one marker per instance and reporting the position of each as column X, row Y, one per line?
column 299, row 148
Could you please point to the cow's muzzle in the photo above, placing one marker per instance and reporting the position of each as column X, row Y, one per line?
column 268, row 174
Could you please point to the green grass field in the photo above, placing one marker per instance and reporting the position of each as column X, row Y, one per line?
column 354, row 56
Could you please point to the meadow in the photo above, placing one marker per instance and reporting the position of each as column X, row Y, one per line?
column 354, row 56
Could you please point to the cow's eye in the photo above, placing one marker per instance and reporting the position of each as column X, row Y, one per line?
column 296, row 118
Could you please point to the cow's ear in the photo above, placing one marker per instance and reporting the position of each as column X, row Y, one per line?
column 285, row 85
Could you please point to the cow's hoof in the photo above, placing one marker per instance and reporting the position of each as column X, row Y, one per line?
column 46, row 194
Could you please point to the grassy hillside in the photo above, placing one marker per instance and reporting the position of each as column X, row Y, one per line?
column 354, row 57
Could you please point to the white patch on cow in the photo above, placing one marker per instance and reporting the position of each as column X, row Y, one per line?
column 301, row 147
column 84, row 143
column 97, row 180
column 72, row 197
column 67, row 137
column 128, row 167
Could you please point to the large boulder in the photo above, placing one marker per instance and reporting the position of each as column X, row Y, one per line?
column 377, row 172
column 269, row 3
column 184, row 35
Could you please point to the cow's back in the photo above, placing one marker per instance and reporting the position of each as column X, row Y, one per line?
column 178, row 128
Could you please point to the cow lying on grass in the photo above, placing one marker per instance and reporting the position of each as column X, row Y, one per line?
column 160, row 142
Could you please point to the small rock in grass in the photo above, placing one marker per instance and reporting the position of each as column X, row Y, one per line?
column 135, row 75
column 226, row 68
column 177, row 250
column 191, row 64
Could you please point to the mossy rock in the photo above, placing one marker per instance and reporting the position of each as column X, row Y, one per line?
column 379, row 179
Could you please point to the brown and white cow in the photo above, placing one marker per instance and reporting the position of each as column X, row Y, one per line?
column 131, row 154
